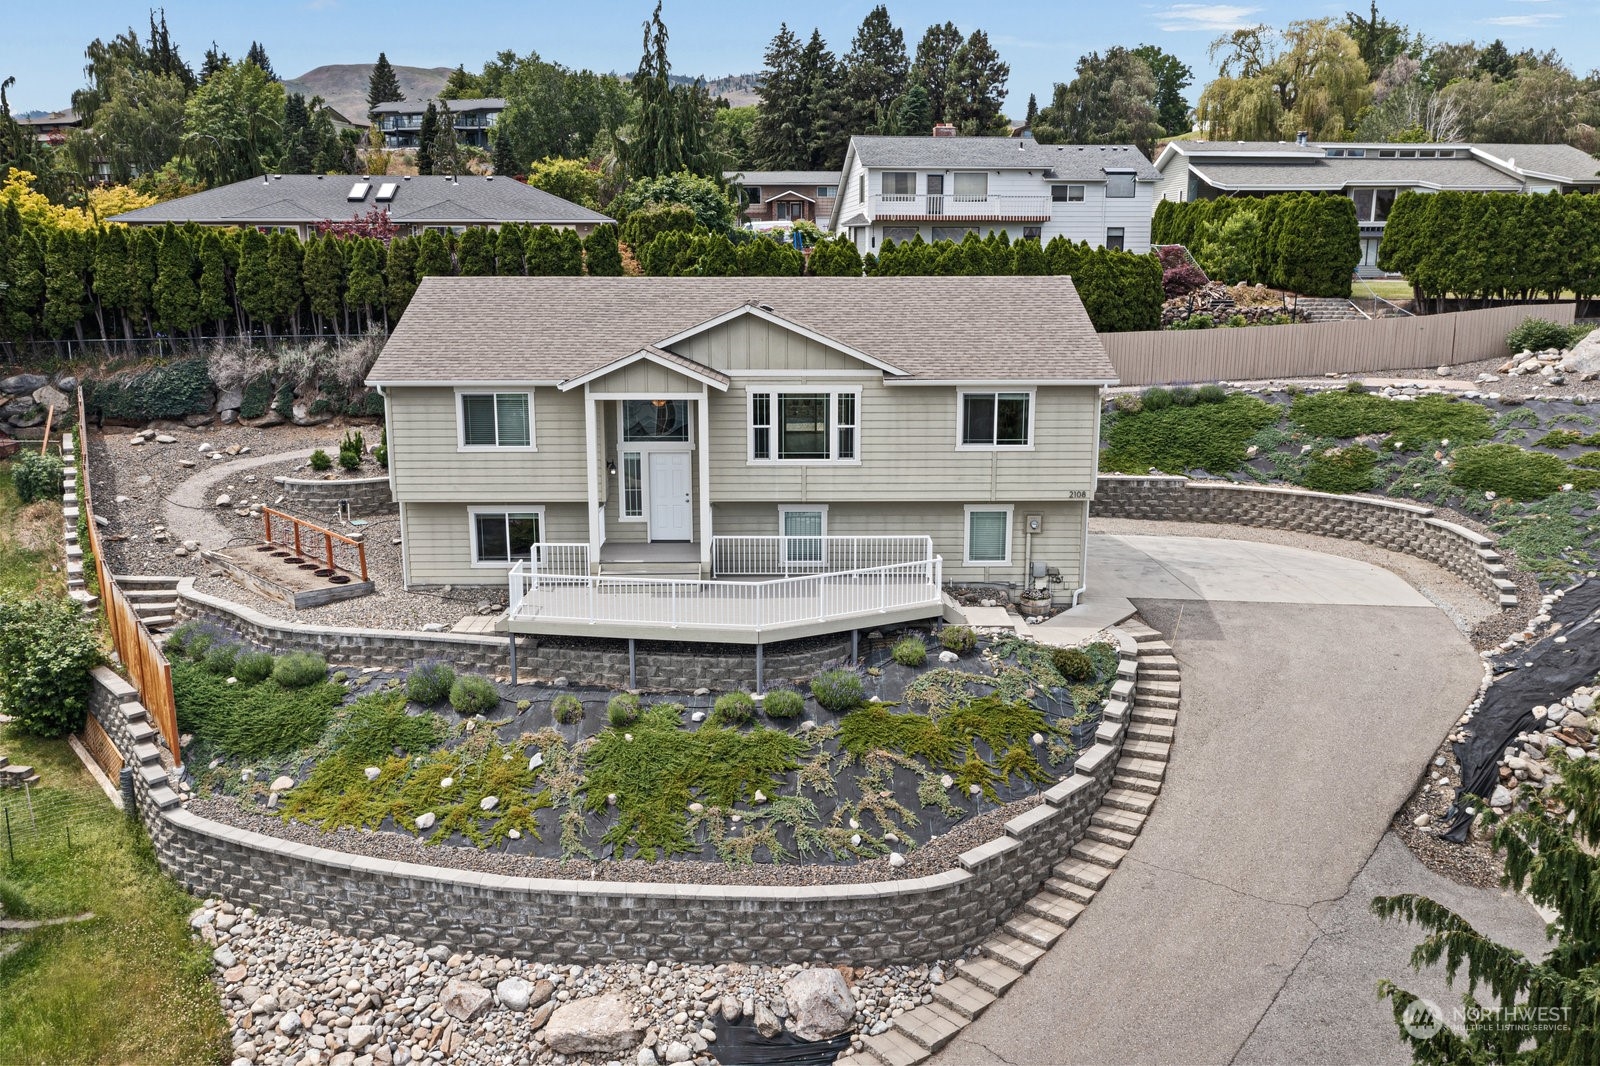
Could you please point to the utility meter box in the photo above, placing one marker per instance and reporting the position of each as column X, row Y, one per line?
column 1033, row 523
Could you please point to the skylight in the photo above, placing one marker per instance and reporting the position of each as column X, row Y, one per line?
column 358, row 191
column 386, row 191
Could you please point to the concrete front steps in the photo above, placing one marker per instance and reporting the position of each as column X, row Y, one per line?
column 16, row 776
column 153, row 597
column 1003, row 959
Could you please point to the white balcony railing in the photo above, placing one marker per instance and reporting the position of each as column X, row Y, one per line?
column 788, row 556
column 749, row 607
column 934, row 205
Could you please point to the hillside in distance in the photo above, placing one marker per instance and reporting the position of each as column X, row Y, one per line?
column 344, row 85
column 738, row 89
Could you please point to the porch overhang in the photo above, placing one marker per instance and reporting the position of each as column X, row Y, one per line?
column 708, row 376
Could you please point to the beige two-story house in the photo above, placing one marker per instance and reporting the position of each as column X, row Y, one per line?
column 742, row 458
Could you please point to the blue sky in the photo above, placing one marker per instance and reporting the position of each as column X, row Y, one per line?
column 1040, row 39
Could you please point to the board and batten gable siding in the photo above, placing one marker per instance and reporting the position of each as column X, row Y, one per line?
column 438, row 539
column 642, row 378
column 425, row 463
column 749, row 343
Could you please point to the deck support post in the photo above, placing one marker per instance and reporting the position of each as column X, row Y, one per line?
column 633, row 665
column 511, row 643
column 855, row 647
column 761, row 681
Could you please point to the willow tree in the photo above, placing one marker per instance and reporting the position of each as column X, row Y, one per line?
column 1271, row 84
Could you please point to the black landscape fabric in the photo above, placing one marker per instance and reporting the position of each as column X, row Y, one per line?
column 739, row 1044
column 1530, row 676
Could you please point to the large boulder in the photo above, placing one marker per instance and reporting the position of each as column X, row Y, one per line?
column 464, row 1000
column 45, row 396
column 820, row 1003
column 23, row 384
column 599, row 1025
column 1584, row 359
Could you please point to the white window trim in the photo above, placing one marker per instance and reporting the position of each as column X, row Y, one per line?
column 501, row 509
column 644, row 486
column 966, row 533
column 783, row 511
column 785, row 508
column 1082, row 193
column 1033, row 418
column 832, row 392
column 461, row 421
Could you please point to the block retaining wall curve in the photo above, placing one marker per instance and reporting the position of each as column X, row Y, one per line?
column 367, row 495
column 908, row 921
column 1407, row 528
column 660, row 665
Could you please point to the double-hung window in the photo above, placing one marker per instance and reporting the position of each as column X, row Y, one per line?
column 988, row 535
column 996, row 420
column 502, row 537
column 805, row 427
column 496, row 420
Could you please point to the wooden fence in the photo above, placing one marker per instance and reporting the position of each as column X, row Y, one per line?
column 1248, row 353
column 147, row 669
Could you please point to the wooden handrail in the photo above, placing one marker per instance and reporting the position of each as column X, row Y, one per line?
column 49, row 416
column 328, row 537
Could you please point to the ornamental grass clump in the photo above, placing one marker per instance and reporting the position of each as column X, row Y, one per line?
column 567, row 709
column 298, row 669
column 838, row 690
column 910, row 651
column 623, row 709
column 429, row 684
column 253, row 667
column 473, row 695
column 959, row 639
column 783, row 703
column 1073, row 664
column 220, row 659
column 733, row 709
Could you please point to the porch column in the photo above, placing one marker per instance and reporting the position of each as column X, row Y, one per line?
column 591, row 433
column 703, row 451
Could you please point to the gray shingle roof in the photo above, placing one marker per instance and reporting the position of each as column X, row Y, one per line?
column 296, row 198
column 759, row 178
column 521, row 329
column 457, row 107
column 1334, row 175
column 1073, row 162
column 1558, row 160
column 1244, row 148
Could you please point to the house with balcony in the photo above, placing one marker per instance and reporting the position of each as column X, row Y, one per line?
column 401, row 120
column 1372, row 175
column 297, row 202
column 742, row 460
column 777, row 198
column 944, row 187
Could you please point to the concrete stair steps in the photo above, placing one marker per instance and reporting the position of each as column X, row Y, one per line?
column 158, row 621
column 141, row 594
column 931, row 1025
column 1122, row 821
column 989, row 974
column 1015, row 952
column 150, row 608
column 1142, row 634
column 1156, row 701
column 1137, row 784
column 1097, row 851
column 1147, row 750
column 893, row 1048
column 16, row 775
column 1124, row 799
column 1041, row 932
column 1153, row 715
column 1069, row 890
column 1151, row 731
column 1089, row 875
column 1157, row 661
column 1157, row 673
column 1148, row 769
column 1145, row 686
column 963, row 997
column 1058, row 909
column 1107, row 835
column 127, row 582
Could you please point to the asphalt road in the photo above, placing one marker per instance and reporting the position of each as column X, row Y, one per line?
column 1237, row 929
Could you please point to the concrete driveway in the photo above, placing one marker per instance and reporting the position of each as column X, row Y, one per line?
column 1314, row 690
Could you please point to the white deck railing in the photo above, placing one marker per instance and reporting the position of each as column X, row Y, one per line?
column 997, row 205
column 789, row 556
column 747, row 606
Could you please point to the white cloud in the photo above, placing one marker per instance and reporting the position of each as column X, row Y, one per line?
column 1210, row 18
column 1526, row 21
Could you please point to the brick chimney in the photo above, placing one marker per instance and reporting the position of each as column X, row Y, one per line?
column 944, row 129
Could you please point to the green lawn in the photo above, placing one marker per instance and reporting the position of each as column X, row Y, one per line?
column 1387, row 288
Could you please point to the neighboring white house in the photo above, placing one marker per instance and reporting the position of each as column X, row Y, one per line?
column 742, row 459
column 942, row 188
column 1372, row 174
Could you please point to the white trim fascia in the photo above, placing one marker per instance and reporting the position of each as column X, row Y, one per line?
column 782, row 323
column 966, row 533
column 628, row 360
column 473, row 510
column 457, row 383
column 803, row 376
column 977, row 384
column 645, row 395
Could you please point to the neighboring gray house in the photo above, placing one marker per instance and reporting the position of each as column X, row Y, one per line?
column 297, row 202
column 740, row 459
column 943, row 187
column 1370, row 174
column 401, row 120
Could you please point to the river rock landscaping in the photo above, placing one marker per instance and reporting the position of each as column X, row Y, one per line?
column 859, row 766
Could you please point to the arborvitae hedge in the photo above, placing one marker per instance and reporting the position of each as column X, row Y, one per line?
column 1482, row 246
column 1307, row 243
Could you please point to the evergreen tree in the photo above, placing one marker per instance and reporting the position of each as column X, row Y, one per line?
column 1028, row 258
column 213, row 302
column 25, row 283
column 1172, row 76
column 425, row 135
column 324, row 280
column 508, row 249
column 365, row 286
column 1033, row 110
column 446, row 149
column 543, row 252
column 602, row 256
column 979, row 79
column 285, row 264
column 383, row 87
column 476, row 252
column 66, row 261
column 461, row 86
column 1111, row 101
column 835, row 257
column 177, row 297
column 433, row 256
column 253, row 281
column 1497, row 61
column 715, row 257
column 934, row 69
column 113, row 280
column 875, row 72
column 400, row 274
column 782, row 128
column 258, row 55
column 825, row 116
column 670, row 132
column 214, row 61
column 144, row 257
column 505, row 156
column 913, row 115
column 298, row 141
column 569, row 248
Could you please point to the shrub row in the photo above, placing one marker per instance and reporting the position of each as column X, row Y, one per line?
column 1308, row 243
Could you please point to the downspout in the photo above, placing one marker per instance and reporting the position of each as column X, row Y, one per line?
column 405, row 532
column 1094, row 479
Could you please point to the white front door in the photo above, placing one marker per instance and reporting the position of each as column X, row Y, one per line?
column 671, row 496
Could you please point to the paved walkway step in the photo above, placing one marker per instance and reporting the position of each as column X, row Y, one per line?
column 1116, row 818
column 146, row 581
column 1098, row 852
column 1137, row 784
column 1150, row 769
column 1068, row 890
column 963, row 997
column 1114, row 837
column 896, row 1049
column 1146, row 750
column 1123, row 799
column 1058, row 909
column 1146, row 686
column 1088, row 874
column 158, row 621
column 153, row 608
column 1161, row 734
column 1154, row 715
column 1015, row 952
column 1041, row 932
column 931, row 1025
column 991, row 976
column 1147, row 699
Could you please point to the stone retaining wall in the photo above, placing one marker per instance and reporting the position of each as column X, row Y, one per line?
column 908, row 921
column 1398, row 527
column 314, row 496
column 659, row 665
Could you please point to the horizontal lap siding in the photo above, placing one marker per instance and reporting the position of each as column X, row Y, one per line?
column 438, row 545
column 426, row 465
